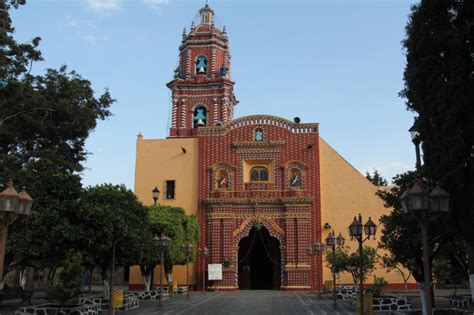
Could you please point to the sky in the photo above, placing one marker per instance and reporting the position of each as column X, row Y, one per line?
column 336, row 62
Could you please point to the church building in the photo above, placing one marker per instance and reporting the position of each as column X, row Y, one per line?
column 263, row 188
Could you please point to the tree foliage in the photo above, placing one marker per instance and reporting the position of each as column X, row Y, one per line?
column 68, row 287
column 111, row 214
column 350, row 263
column 42, row 116
column 392, row 262
column 376, row 178
column 43, row 239
column 439, row 86
column 401, row 234
column 174, row 223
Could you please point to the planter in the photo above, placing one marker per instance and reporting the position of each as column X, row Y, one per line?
column 56, row 309
column 391, row 303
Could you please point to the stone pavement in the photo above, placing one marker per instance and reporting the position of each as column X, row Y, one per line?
column 246, row 302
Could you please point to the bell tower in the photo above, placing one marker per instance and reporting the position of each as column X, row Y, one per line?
column 202, row 89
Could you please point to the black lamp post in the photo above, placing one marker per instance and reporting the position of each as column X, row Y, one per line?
column 356, row 231
column 415, row 138
column 318, row 249
column 204, row 252
column 163, row 243
column 417, row 201
column 12, row 204
column 156, row 193
column 188, row 250
column 332, row 242
column 310, row 252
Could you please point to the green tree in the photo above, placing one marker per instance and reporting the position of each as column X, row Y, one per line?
column 181, row 228
column 350, row 263
column 439, row 87
column 43, row 239
column 42, row 116
column 338, row 260
column 68, row 287
column 111, row 214
column 369, row 259
column 376, row 178
column 392, row 262
column 401, row 234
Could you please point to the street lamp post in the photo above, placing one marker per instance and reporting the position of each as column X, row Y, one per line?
column 318, row 249
column 188, row 250
column 204, row 252
column 163, row 243
column 12, row 204
column 417, row 201
column 415, row 138
column 356, row 231
column 310, row 251
column 332, row 242
column 156, row 193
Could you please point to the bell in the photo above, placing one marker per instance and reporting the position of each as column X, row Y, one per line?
column 200, row 122
column 201, row 70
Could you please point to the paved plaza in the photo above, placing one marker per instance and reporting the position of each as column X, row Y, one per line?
column 247, row 302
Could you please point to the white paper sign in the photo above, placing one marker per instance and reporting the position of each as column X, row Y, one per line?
column 214, row 271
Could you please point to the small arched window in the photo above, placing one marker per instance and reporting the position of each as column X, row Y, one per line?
column 200, row 116
column 259, row 174
column 201, row 65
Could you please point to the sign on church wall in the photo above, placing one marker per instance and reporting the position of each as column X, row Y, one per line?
column 214, row 271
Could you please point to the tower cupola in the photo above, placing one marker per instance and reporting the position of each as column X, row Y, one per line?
column 207, row 15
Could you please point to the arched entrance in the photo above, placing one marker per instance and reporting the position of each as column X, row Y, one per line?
column 259, row 261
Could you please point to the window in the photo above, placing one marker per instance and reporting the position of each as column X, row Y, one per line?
column 259, row 174
column 200, row 116
column 170, row 186
column 201, row 65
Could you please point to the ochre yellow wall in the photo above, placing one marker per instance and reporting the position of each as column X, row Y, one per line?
column 345, row 193
column 158, row 160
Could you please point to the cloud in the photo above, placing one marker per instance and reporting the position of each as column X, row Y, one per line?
column 155, row 4
column 91, row 39
column 104, row 6
column 70, row 22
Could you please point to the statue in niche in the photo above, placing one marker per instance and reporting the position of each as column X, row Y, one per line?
column 295, row 180
column 223, row 181
column 201, row 65
column 259, row 135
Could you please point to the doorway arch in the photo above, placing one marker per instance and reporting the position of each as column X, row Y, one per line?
column 259, row 261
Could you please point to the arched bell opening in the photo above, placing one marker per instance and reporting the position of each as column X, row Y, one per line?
column 259, row 261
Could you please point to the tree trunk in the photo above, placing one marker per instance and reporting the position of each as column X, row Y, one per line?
column 421, row 286
column 147, row 280
column 106, row 288
column 23, row 273
column 470, row 251
column 471, row 284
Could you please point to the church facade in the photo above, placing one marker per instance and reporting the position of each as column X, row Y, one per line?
column 264, row 188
